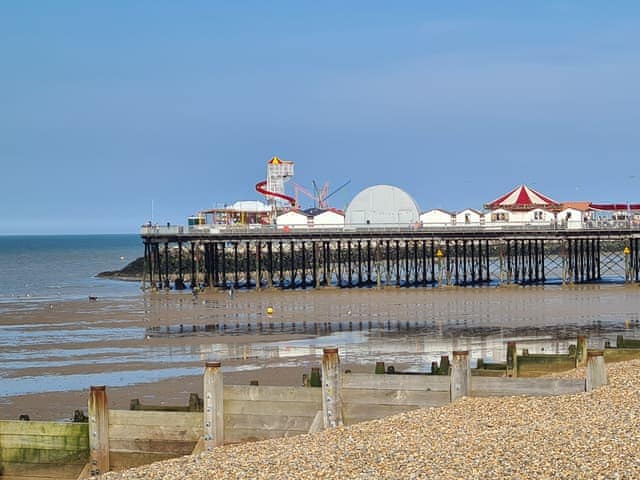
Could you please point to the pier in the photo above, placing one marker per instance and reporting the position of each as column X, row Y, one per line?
column 351, row 257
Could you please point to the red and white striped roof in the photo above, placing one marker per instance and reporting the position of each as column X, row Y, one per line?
column 522, row 198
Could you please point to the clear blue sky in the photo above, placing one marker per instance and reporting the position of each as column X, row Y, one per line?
column 106, row 106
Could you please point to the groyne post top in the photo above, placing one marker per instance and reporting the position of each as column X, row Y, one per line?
column 98, row 429
column 213, row 414
column 581, row 351
column 512, row 359
column 460, row 375
column 596, row 370
column 331, row 388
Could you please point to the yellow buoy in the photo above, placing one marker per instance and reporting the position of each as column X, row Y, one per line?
column 269, row 310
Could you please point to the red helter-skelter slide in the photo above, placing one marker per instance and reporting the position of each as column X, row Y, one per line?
column 260, row 188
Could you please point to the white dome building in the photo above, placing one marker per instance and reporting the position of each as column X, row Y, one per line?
column 382, row 205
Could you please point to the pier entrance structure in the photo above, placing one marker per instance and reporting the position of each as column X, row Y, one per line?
column 345, row 257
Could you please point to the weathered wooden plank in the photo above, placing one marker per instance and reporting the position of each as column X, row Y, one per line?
column 596, row 371
column 541, row 364
column 167, row 419
column 355, row 413
column 317, row 423
column 213, row 408
column 258, row 407
column 123, row 460
column 268, row 422
column 394, row 397
column 331, row 388
column 31, row 477
column 460, row 375
column 138, row 445
column 98, row 429
column 33, row 456
column 494, row 387
column 272, row 394
column 620, row 354
column 17, row 427
column 156, row 432
column 198, row 448
column 85, row 472
column 44, row 442
column 434, row 383
column 29, row 470
column 237, row 435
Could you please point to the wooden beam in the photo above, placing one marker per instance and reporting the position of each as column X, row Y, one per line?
column 213, row 406
column 596, row 371
column 316, row 425
column 460, row 375
column 421, row 383
column 98, row 430
column 331, row 384
column 581, row 351
column 85, row 473
column 512, row 360
column 161, row 419
column 199, row 447
column 501, row 387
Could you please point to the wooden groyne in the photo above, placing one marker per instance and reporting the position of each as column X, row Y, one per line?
column 116, row 439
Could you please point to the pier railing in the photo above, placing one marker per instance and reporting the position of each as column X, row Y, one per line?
column 151, row 230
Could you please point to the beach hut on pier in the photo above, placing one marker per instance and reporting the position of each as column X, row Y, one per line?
column 575, row 215
column 469, row 217
column 437, row 217
column 324, row 217
column 292, row 219
column 522, row 205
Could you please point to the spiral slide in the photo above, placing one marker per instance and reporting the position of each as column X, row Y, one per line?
column 260, row 189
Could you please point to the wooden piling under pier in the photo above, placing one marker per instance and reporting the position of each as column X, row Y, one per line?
column 320, row 258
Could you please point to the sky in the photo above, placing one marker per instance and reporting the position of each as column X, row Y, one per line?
column 110, row 108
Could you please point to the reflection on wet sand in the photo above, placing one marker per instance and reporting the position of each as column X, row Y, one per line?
column 164, row 336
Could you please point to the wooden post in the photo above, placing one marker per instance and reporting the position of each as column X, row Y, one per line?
column 213, row 406
column 460, row 375
column 596, row 371
column 581, row 351
column 98, row 430
column 512, row 360
column 331, row 385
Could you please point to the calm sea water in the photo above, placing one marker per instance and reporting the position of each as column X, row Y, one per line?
column 63, row 267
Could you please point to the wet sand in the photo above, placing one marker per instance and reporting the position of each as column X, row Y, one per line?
column 94, row 341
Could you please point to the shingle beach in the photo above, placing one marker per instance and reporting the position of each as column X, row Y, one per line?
column 590, row 436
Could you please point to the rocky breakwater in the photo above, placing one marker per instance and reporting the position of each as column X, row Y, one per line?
column 589, row 436
column 132, row 271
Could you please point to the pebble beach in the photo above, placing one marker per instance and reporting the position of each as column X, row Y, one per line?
column 589, row 436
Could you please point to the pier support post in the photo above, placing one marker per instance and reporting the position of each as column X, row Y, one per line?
column 331, row 385
column 213, row 406
column 98, row 430
column 460, row 375
column 596, row 370
column 581, row 351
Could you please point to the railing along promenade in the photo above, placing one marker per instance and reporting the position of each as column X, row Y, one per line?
column 256, row 256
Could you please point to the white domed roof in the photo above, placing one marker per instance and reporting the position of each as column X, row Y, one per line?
column 382, row 205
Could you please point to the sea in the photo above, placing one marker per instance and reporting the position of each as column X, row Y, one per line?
column 45, row 268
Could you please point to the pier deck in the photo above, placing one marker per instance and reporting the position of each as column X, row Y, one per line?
column 266, row 256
